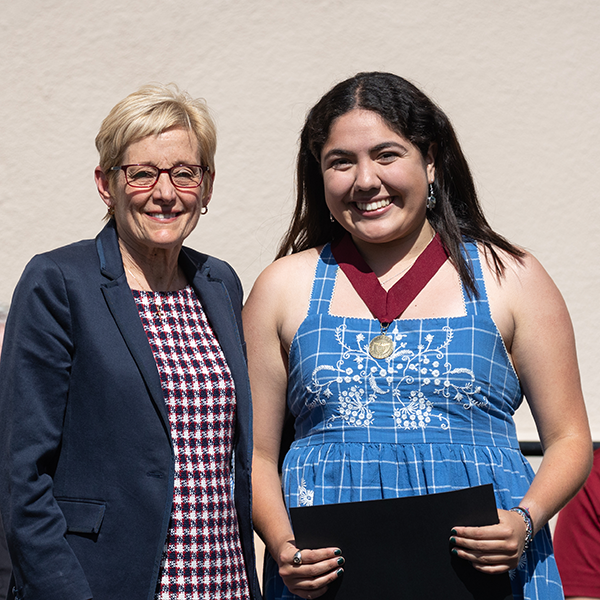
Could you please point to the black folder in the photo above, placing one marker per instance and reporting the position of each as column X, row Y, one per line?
column 399, row 547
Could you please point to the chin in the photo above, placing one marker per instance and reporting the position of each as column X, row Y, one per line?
column 165, row 242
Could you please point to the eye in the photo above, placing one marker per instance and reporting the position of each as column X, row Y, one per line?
column 387, row 157
column 184, row 172
column 141, row 174
column 186, row 175
column 340, row 163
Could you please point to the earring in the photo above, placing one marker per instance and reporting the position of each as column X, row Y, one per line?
column 431, row 199
column 111, row 211
column 331, row 218
column 204, row 210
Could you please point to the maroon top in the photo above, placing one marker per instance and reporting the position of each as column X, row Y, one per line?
column 577, row 539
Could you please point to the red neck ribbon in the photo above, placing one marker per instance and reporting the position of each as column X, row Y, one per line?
column 387, row 306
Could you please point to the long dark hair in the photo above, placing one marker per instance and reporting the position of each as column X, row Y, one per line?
column 413, row 115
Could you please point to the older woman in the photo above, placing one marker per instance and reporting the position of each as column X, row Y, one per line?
column 403, row 333
column 125, row 405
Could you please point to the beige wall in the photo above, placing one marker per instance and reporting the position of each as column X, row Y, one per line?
column 520, row 80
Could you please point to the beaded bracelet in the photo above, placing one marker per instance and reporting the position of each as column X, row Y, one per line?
column 524, row 512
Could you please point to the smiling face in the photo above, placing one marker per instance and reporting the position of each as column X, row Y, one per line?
column 376, row 181
column 150, row 220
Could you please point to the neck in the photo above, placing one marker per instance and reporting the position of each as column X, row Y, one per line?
column 387, row 257
column 157, row 271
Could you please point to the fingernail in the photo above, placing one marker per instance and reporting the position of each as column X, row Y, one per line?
column 340, row 572
column 453, row 541
column 341, row 561
column 454, row 551
column 338, row 552
column 453, row 532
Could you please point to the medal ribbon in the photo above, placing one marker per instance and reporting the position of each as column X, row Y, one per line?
column 387, row 306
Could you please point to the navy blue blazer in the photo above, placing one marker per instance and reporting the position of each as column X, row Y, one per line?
column 86, row 458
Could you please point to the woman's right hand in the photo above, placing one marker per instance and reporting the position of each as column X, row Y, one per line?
column 316, row 571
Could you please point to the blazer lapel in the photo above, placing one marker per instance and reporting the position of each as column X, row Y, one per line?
column 217, row 305
column 216, row 302
column 124, row 311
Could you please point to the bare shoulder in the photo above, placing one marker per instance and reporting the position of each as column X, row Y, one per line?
column 280, row 296
column 285, row 278
column 524, row 292
column 524, row 278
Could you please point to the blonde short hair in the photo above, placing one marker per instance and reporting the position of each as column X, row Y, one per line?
column 152, row 110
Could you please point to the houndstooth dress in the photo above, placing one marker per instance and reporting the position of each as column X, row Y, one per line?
column 202, row 558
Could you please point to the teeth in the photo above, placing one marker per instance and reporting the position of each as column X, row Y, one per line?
column 162, row 215
column 366, row 206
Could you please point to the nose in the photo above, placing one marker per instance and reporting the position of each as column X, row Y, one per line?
column 367, row 177
column 164, row 188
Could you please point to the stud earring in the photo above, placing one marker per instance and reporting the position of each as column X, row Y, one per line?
column 431, row 199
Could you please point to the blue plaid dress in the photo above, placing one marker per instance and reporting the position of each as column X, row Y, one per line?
column 435, row 416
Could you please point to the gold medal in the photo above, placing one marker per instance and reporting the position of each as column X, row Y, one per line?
column 381, row 346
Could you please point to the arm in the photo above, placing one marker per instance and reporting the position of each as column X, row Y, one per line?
column 34, row 376
column 269, row 324
column 535, row 323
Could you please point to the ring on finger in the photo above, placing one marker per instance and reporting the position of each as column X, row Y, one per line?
column 297, row 560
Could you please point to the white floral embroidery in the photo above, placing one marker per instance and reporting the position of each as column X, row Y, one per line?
column 352, row 403
column 353, row 409
column 419, row 364
column 463, row 394
column 306, row 496
column 415, row 414
column 425, row 367
column 318, row 392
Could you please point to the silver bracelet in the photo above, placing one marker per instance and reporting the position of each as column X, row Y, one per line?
column 524, row 512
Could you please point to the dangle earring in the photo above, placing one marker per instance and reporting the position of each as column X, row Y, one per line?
column 431, row 199
column 331, row 218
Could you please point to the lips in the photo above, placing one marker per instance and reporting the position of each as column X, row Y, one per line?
column 373, row 205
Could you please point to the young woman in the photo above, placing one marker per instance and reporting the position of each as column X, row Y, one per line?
column 402, row 333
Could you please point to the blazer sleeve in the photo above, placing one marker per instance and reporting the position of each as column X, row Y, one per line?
column 34, row 390
column 236, row 293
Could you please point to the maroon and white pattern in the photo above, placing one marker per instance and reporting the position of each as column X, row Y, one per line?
column 202, row 559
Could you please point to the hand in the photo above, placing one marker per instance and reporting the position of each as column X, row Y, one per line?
column 312, row 576
column 494, row 548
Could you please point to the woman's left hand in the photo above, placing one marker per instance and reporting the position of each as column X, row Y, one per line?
column 494, row 548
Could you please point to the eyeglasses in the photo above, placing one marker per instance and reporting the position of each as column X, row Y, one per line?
column 146, row 176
